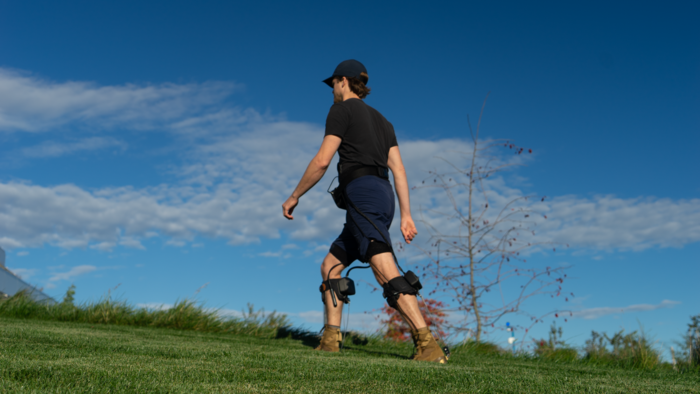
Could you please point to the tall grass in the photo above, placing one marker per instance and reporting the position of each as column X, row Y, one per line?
column 625, row 350
column 688, row 348
column 554, row 348
column 470, row 346
column 184, row 315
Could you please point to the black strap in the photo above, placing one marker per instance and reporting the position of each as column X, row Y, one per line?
column 349, row 175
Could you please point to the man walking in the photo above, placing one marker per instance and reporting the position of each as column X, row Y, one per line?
column 367, row 146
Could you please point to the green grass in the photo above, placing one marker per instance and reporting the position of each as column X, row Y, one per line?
column 62, row 357
column 184, row 315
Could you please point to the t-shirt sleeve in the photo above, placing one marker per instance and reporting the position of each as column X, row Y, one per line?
column 392, row 139
column 338, row 121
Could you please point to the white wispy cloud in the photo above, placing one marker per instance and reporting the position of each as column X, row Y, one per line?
column 29, row 103
column 241, row 198
column 155, row 306
column 609, row 222
column 312, row 316
column 59, row 148
column 104, row 246
column 232, row 183
column 599, row 222
column 131, row 242
column 176, row 242
column 70, row 274
column 270, row 254
column 595, row 313
column 230, row 313
column 8, row 243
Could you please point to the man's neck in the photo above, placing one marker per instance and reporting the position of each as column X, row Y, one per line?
column 350, row 95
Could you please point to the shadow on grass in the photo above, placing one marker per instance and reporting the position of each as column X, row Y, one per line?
column 307, row 338
column 353, row 341
column 374, row 352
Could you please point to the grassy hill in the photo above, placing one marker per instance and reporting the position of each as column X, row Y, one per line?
column 49, row 356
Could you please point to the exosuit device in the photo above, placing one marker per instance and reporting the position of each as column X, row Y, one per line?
column 342, row 288
column 407, row 284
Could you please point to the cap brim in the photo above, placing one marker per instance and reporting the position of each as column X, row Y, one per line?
column 329, row 81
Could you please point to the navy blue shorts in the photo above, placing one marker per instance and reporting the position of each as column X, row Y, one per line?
column 359, row 239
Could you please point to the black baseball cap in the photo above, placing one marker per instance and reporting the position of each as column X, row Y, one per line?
column 350, row 69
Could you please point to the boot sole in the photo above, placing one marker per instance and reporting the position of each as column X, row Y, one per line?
column 331, row 350
column 440, row 360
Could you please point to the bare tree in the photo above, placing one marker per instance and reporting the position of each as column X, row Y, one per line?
column 479, row 241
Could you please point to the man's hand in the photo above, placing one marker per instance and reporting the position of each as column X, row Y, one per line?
column 408, row 229
column 288, row 207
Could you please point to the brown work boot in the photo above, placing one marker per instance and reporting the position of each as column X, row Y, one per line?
column 330, row 342
column 427, row 349
column 417, row 351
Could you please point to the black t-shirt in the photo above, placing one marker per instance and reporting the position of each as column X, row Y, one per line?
column 367, row 136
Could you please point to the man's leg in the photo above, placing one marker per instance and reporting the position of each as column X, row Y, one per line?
column 330, row 342
column 427, row 349
column 385, row 270
column 333, row 314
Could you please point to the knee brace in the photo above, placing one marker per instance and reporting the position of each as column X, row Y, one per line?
column 407, row 284
column 342, row 288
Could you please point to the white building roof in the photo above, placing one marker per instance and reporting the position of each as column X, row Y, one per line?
column 11, row 284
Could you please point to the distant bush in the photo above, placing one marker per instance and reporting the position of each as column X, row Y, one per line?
column 184, row 315
column 554, row 348
column 625, row 350
column 481, row 347
column 688, row 356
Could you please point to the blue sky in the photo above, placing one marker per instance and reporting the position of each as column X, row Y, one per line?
column 150, row 144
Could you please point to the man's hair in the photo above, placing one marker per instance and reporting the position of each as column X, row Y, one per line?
column 358, row 86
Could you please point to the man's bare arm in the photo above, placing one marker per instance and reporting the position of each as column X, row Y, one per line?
column 314, row 172
column 408, row 228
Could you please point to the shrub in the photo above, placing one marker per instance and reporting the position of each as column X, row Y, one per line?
column 693, row 341
column 689, row 348
column 481, row 347
column 554, row 348
column 184, row 315
column 626, row 350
